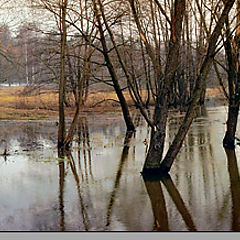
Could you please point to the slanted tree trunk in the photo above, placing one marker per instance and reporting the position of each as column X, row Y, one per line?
column 112, row 72
column 206, row 65
column 203, row 94
column 152, row 162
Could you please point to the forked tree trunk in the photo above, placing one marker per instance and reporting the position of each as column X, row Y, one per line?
column 175, row 147
column 156, row 147
column 79, row 97
column 178, row 140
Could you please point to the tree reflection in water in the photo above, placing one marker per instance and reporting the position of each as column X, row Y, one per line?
column 61, row 194
column 124, row 156
column 153, row 186
column 123, row 159
column 84, row 214
column 156, row 196
column 235, row 188
column 99, row 187
column 154, row 189
column 83, row 143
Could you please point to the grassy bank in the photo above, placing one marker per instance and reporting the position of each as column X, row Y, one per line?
column 14, row 105
column 17, row 103
column 37, row 105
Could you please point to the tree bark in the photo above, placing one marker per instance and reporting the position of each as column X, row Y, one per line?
column 62, row 82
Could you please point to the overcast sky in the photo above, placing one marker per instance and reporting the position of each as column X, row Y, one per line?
column 13, row 13
column 16, row 12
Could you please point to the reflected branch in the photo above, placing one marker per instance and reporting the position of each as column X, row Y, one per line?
column 154, row 190
column 88, row 148
column 156, row 196
column 84, row 138
column 178, row 201
column 84, row 152
column 235, row 188
column 79, row 151
column 76, row 177
column 60, row 196
column 124, row 156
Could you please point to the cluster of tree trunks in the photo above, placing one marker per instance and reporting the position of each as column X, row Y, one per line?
column 154, row 161
column 177, row 82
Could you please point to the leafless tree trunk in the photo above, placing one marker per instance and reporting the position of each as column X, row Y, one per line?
column 62, row 80
column 232, row 47
column 156, row 147
column 112, row 72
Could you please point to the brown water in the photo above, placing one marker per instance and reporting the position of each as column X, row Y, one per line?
column 100, row 186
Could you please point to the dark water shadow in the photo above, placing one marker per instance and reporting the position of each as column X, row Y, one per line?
column 154, row 189
column 235, row 188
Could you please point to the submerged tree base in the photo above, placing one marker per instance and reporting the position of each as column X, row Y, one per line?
column 63, row 148
column 154, row 173
column 229, row 146
column 228, row 142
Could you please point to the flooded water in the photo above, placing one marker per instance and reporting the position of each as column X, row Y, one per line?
column 99, row 187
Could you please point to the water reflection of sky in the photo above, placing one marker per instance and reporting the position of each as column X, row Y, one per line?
column 101, row 187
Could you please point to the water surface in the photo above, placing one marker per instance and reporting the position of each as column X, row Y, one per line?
column 99, row 186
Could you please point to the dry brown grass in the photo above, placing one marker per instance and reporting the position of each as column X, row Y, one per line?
column 14, row 105
column 46, row 101
column 44, row 104
column 109, row 99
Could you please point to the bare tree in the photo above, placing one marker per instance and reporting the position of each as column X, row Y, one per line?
column 232, row 47
column 155, row 152
column 109, row 64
